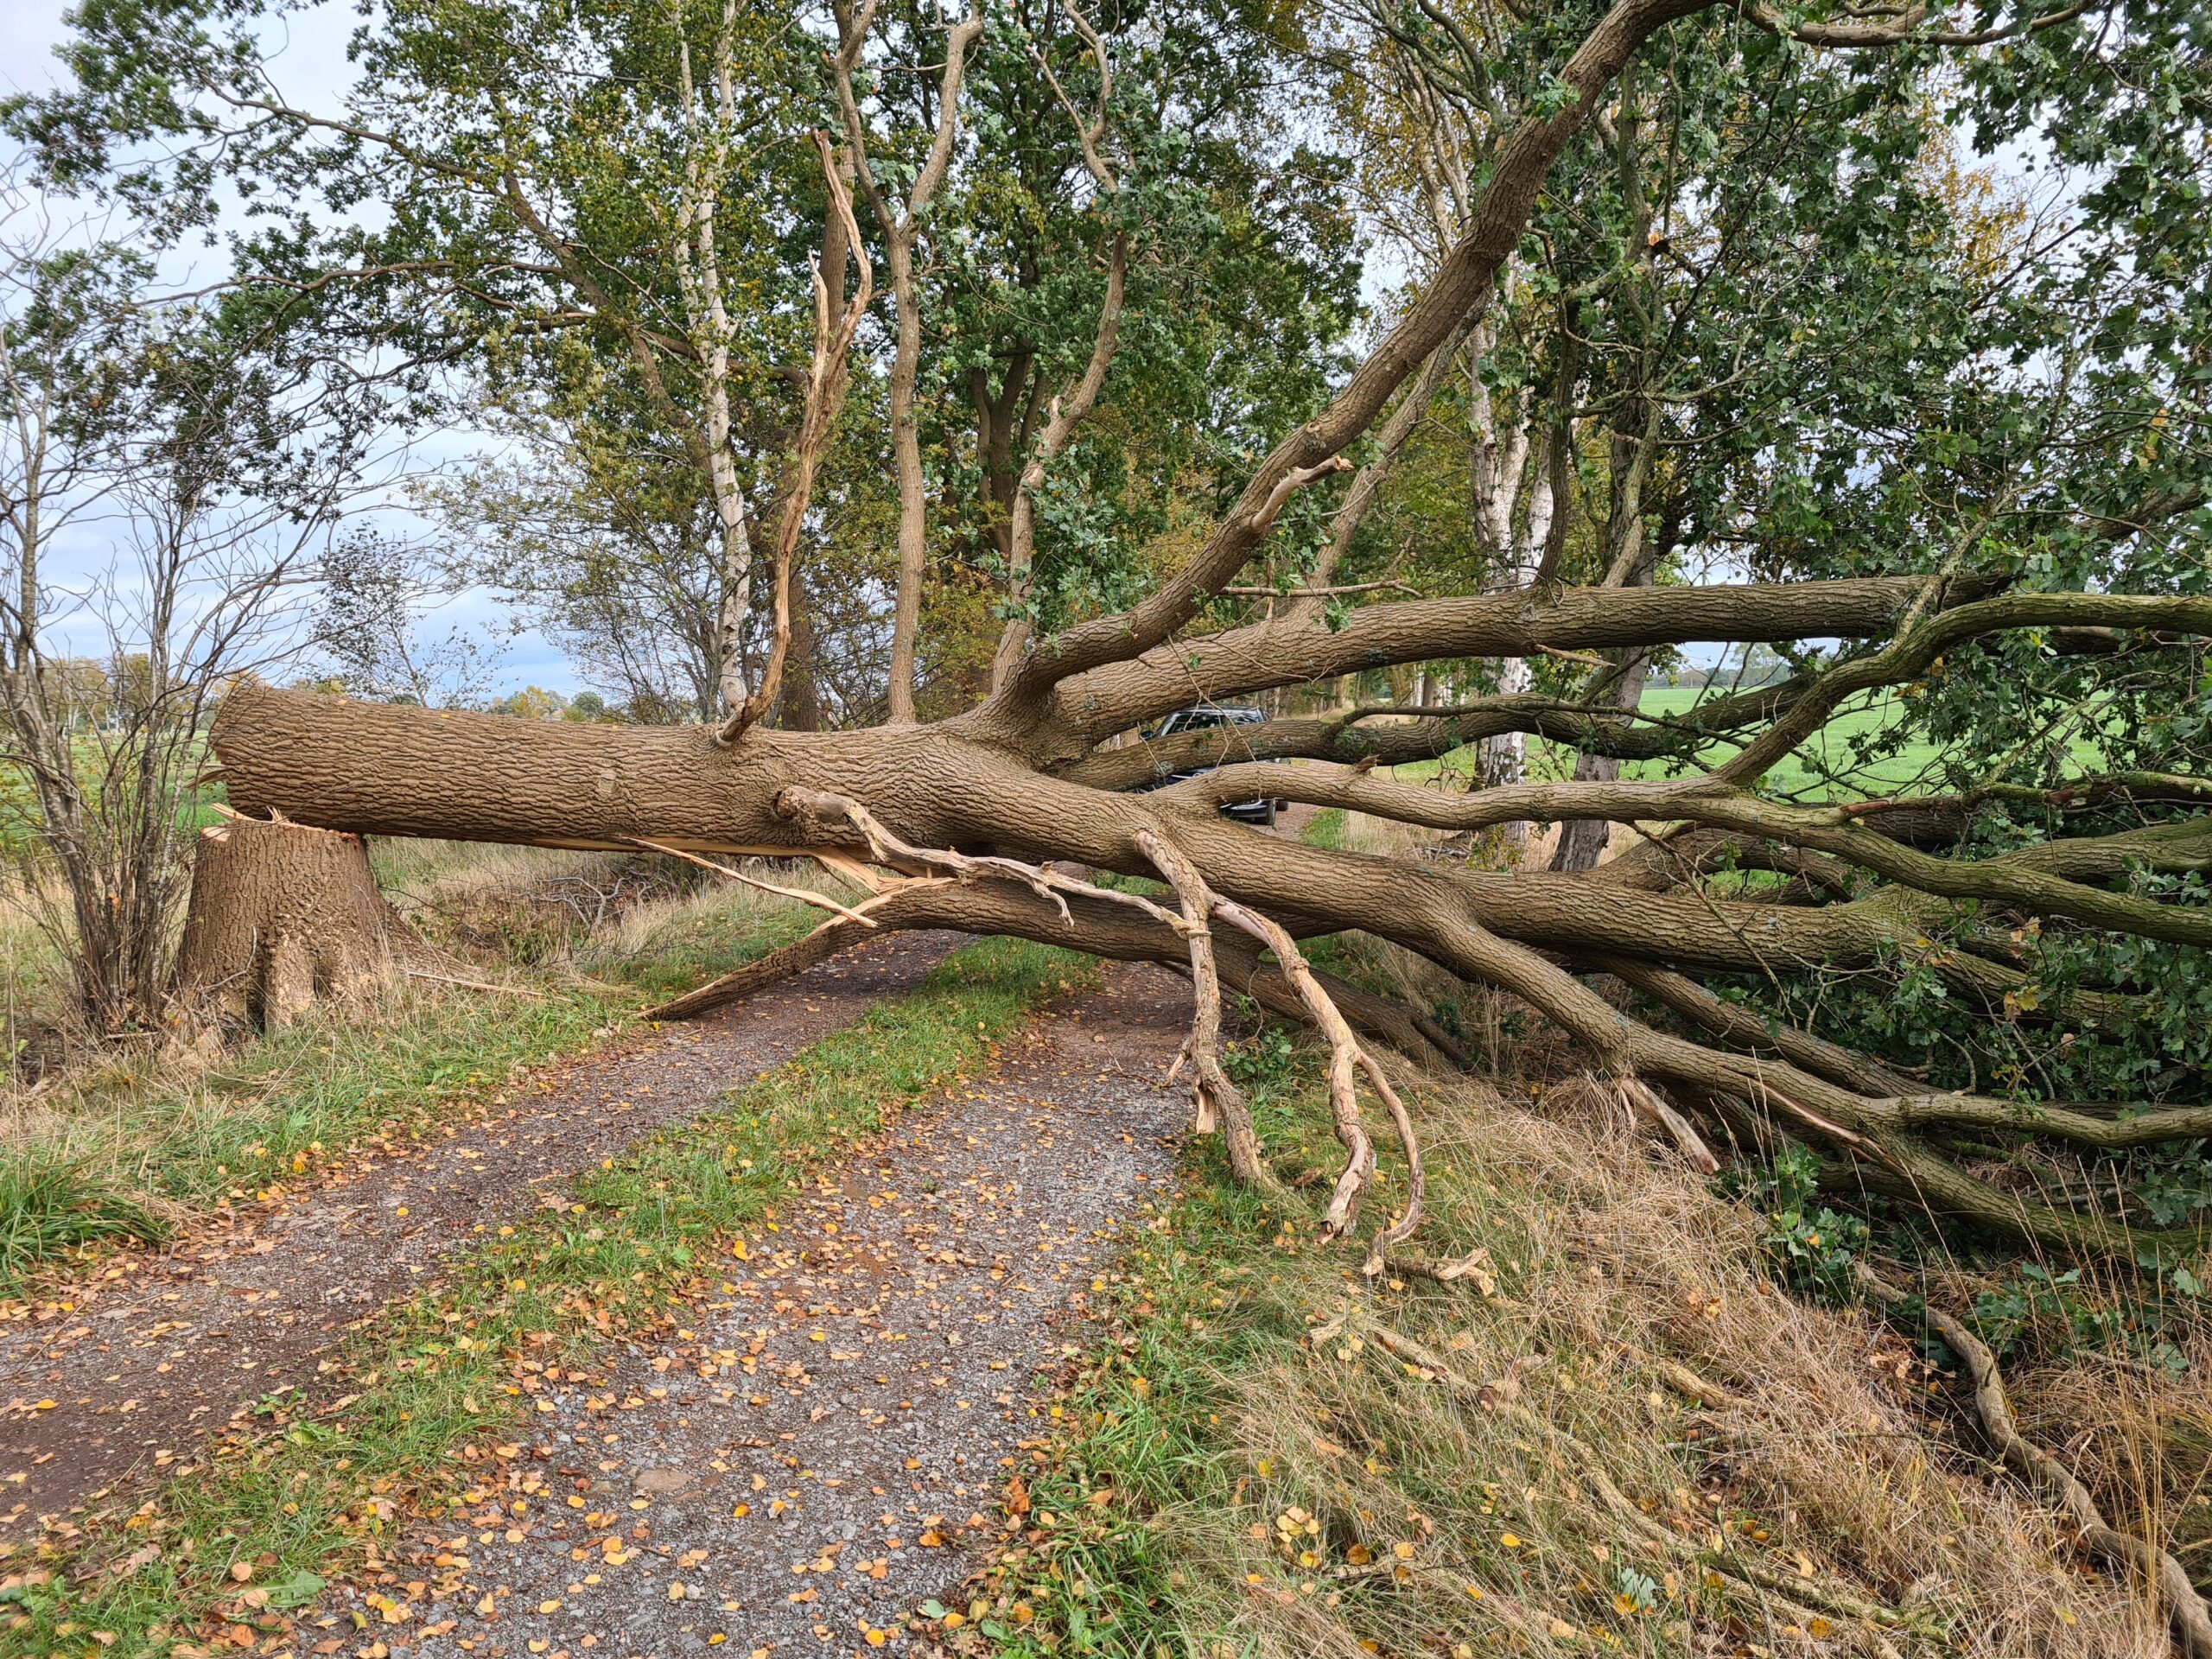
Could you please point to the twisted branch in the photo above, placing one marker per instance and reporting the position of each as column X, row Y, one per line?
column 2155, row 1567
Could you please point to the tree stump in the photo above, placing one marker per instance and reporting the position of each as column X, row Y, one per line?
column 284, row 916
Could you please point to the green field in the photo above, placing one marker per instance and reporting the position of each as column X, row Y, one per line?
column 1831, row 764
column 1850, row 757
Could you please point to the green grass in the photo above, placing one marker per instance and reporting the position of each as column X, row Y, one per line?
column 430, row 1390
column 49, row 1210
column 119, row 1151
column 117, row 1154
column 693, row 947
column 1325, row 828
column 1154, row 1518
column 1825, row 766
column 1829, row 767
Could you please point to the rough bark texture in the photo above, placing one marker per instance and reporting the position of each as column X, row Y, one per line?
column 284, row 916
column 365, row 767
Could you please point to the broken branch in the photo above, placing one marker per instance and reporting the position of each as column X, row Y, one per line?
column 804, row 895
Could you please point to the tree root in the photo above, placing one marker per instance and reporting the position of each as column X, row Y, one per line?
column 951, row 888
column 2157, row 1569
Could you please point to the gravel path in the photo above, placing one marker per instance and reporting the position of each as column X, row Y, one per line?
column 128, row 1379
column 820, row 1453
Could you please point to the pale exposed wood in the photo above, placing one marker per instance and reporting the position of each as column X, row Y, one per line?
column 804, row 895
column 1219, row 1101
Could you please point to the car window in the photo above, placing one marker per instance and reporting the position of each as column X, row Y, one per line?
column 1193, row 719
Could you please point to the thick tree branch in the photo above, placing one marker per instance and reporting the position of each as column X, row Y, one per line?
column 1460, row 288
column 1707, row 801
column 1112, row 698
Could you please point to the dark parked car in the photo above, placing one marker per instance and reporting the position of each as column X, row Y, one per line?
column 1200, row 718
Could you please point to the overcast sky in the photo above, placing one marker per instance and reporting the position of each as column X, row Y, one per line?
column 310, row 66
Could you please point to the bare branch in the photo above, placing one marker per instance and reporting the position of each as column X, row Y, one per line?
column 833, row 341
column 890, row 849
column 1218, row 1099
column 1346, row 1059
column 804, row 895
column 2155, row 1567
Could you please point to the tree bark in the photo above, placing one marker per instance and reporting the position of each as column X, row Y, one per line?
column 384, row 769
column 284, row 916
column 798, row 707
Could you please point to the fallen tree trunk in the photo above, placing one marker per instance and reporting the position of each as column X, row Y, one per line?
column 384, row 769
column 367, row 768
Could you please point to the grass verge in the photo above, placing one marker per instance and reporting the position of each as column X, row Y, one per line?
column 1615, row 1434
column 125, row 1151
column 424, row 1398
column 153, row 1149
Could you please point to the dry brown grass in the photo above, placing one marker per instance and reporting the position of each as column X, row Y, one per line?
column 1834, row 1478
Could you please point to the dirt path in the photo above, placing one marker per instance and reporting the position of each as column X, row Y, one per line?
column 809, row 1467
column 132, row 1377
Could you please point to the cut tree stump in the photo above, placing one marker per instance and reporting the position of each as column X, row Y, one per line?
column 284, row 916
